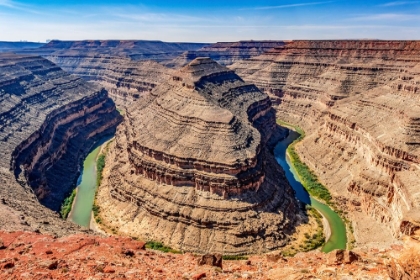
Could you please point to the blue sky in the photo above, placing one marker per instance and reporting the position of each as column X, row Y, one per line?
column 208, row 21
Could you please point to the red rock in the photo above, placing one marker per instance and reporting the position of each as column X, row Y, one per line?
column 211, row 259
column 199, row 276
column 50, row 264
column 109, row 269
column 8, row 265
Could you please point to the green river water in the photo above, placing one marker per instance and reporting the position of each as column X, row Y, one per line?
column 86, row 188
column 338, row 238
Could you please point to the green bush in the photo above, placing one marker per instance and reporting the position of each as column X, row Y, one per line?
column 67, row 204
column 160, row 247
column 100, row 164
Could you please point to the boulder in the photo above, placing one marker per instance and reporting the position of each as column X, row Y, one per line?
column 211, row 259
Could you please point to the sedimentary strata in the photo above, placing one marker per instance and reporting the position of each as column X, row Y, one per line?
column 48, row 121
column 191, row 166
column 226, row 53
column 358, row 102
column 133, row 49
column 125, row 80
column 120, row 66
column 16, row 46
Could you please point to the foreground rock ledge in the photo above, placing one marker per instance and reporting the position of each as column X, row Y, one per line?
column 191, row 166
column 36, row 256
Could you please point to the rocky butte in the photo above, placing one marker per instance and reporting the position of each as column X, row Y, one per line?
column 192, row 166
column 49, row 120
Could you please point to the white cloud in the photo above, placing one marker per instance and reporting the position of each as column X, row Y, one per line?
column 399, row 3
column 288, row 5
column 386, row 16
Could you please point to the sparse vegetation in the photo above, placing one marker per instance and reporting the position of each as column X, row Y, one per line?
column 234, row 258
column 310, row 182
column 308, row 179
column 100, row 164
column 67, row 204
column 121, row 111
column 160, row 247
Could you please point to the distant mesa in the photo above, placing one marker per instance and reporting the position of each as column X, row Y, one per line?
column 192, row 162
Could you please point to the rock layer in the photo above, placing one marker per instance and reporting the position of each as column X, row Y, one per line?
column 124, row 79
column 191, row 167
column 49, row 121
column 226, row 53
column 133, row 49
column 358, row 102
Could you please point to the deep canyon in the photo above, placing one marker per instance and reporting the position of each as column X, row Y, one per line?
column 191, row 164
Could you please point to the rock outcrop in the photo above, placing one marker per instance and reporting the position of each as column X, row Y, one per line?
column 358, row 102
column 49, row 121
column 191, row 166
column 226, row 53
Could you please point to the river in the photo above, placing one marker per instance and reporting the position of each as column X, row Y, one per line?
column 86, row 188
column 82, row 207
column 338, row 238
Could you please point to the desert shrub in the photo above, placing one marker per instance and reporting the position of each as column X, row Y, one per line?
column 67, row 204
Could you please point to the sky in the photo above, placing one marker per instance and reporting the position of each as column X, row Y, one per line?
column 208, row 21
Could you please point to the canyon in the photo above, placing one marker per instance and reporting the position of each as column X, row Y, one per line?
column 357, row 101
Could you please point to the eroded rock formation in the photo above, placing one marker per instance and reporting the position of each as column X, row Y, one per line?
column 49, row 121
column 133, row 49
column 226, row 53
column 125, row 80
column 359, row 104
column 191, row 166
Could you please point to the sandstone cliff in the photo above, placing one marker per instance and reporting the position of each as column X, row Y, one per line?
column 358, row 102
column 49, row 121
column 226, row 53
column 133, row 49
column 124, row 79
column 191, row 167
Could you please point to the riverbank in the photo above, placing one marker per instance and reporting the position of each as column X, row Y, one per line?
column 336, row 228
column 83, row 201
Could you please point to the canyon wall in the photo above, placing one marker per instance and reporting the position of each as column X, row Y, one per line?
column 225, row 53
column 16, row 46
column 120, row 66
column 49, row 121
column 133, row 49
column 359, row 103
column 191, row 166
column 124, row 79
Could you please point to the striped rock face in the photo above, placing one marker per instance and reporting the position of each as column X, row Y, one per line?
column 49, row 120
column 191, row 166
column 358, row 101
